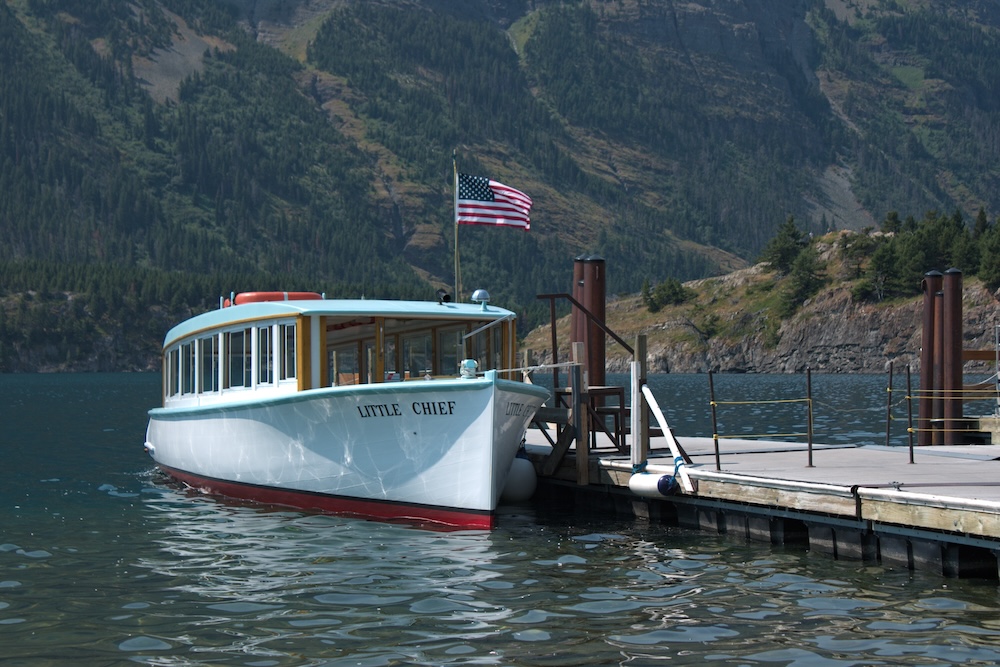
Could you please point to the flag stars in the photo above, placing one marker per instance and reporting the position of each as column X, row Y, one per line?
column 474, row 187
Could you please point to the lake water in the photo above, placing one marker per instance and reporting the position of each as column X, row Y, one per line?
column 104, row 562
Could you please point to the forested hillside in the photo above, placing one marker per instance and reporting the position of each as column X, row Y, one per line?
column 156, row 154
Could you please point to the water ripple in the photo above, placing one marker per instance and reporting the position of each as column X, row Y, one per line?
column 103, row 563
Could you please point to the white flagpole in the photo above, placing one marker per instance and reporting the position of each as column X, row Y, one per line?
column 458, row 279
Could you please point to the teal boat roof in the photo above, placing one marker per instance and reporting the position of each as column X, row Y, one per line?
column 223, row 317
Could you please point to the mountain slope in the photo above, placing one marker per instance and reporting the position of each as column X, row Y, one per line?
column 204, row 146
column 722, row 121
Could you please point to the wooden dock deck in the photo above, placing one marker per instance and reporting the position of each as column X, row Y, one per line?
column 939, row 510
column 869, row 503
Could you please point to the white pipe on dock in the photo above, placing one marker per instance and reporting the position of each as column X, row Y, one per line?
column 777, row 484
column 647, row 484
column 652, row 468
column 655, row 469
column 638, row 452
column 927, row 500
column 679, row 464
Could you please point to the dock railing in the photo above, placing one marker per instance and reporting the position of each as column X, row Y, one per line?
column 598, row 412
column 571, row 418
column 807, row 434
column 936, row 428
column 591, row 319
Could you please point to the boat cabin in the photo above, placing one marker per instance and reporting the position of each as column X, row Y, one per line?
column 286, row 346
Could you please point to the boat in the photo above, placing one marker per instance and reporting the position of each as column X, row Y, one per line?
column 382, row 409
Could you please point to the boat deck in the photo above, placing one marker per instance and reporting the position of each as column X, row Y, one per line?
column 868, row 502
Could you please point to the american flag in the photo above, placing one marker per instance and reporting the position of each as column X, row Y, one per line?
column 483, row 201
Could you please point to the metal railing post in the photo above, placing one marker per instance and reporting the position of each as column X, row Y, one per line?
column 580, row 403
column 555, row 345
column 888, row 407
column 909, row 411
column 809, row 423
column 715, row 423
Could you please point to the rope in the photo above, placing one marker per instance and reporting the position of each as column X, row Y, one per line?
column 565, row 364
column 780, row 400
column 750, row 436
column 917, row 429
column 847, row 410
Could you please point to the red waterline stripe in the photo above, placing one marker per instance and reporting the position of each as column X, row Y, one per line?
column 369, row 509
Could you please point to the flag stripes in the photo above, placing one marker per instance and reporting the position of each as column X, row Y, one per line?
column 483, row 201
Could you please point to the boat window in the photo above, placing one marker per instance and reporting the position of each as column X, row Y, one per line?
column 392, row 372
column 265, row 355
column 496, row 348
column 450, row 351
column 345, row 365
column 478, row 349
column 485, row 344
column 418, row 355
column 287, row 333
column 173, row 364
column 238, row 352
column 368, row 361
column 209, row 363
column 187, row 375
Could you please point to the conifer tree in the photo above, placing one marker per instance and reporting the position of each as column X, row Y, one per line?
column 786, row 245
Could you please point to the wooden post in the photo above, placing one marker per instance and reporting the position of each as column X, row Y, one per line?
column 930, row 285
column 578, row 404
column 636, row 454
column 951, row 355
column 577, row 320
column 595, row 301
column 937, row 408
column 639, row 416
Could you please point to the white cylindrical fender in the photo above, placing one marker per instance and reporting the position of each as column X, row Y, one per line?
column 521, row 481
column 650, row 485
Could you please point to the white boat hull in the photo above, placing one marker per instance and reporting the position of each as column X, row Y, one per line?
column 434, row 450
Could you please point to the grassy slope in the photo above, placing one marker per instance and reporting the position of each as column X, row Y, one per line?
column 738, row 311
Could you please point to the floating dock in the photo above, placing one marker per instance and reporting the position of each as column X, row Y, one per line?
column 934, row 506
column 940, row 513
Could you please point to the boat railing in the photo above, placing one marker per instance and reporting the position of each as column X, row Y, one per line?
column 488, row 325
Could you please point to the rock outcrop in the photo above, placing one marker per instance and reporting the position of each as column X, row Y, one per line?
column 831, row 333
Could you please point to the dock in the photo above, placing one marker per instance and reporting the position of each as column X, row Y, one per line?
column 932, row 506
column 940, row 513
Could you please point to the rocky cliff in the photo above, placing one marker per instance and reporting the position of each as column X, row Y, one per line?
column 724, row 328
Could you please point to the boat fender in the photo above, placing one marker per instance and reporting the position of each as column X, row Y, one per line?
column 467, row 368
column 649, row 485
column 150, row 449
column 521, row 481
